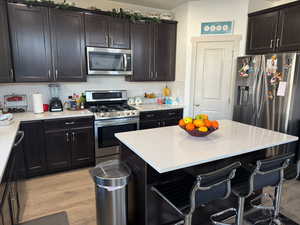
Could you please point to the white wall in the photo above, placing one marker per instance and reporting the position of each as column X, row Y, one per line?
column 191, row 15
column 101, row 82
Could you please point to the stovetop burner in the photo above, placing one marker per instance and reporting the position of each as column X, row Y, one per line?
column 113, row 111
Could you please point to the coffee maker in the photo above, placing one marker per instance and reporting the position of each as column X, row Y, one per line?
column 55, row 103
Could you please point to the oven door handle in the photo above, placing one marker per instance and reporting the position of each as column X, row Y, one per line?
column 114, row 123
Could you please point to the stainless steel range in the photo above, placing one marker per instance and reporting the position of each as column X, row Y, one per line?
column 112, row 115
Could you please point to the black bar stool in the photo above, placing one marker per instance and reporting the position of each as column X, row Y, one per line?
column 186, row 195
column 266, row 173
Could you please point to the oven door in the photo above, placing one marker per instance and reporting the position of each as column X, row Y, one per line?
column 107, row 61
column 106, row 142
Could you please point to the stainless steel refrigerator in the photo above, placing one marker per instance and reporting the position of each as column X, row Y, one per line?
column 267, row 93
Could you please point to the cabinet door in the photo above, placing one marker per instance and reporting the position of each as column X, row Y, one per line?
column 34, row 148
column 171, row 122
column 68, row 45
column 142, row 52
column 289, row 29
column 58, row 149
column 82, row 146
column 96, row 30
column 30, row 33
column 119, row 33
column 262, row 30
column 6, row 73
column 165, row 51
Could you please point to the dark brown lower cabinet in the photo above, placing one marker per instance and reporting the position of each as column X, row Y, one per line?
column 34, row 148
column 82, row 146
column 162, row 118
column 58, row 150
column 58, row 145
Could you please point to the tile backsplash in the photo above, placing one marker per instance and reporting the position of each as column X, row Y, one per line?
column 94, row 83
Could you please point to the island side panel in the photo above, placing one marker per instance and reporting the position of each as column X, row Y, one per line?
column 137, row 187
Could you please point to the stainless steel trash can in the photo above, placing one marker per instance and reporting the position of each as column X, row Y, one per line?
column 111, row 179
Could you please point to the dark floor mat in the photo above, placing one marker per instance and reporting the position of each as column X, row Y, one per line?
column 55, row 219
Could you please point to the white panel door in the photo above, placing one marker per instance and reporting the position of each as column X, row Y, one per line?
column 213, row 78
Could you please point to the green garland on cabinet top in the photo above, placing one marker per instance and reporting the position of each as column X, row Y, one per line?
column 118, row 13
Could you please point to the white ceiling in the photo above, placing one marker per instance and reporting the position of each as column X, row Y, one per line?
column 160, row 4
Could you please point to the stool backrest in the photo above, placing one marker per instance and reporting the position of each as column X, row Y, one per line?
column 212, row 186
column 269, row 172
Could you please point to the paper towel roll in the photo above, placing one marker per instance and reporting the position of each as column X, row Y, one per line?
column 37, row 100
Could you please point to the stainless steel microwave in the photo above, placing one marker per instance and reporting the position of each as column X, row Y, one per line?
column 108, row 61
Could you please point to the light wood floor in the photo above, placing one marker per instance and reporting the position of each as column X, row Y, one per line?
column 73, row 192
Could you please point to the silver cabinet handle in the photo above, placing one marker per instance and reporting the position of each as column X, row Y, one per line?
column 49, row 73
column 197, row 105
column 56, row 74
column 69, row 123
column 156, row 75
column 106, row 38
column 73, row 137
column 20, row 139
column 12, row 74
column 277, row 42
column 271, row 45
column 67, row 135
column 151, row 75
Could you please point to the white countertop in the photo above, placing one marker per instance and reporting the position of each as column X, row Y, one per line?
column 8, row 133
column 154, row 107
column 30, row 116
column 170, row 148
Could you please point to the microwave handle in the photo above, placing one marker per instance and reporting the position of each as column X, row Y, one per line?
column 125, row 62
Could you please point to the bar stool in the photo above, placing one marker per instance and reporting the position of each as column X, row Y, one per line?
column 266, row 173
column 188, row 194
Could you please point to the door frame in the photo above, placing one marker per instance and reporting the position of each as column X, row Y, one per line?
column 236, row 40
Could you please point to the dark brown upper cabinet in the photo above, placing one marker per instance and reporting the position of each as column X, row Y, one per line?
column 154, row 51
column 30, row 33
column 142, row 50
column 107, row 32
column 6, row 71
column 119, row 33
column 48, row 44
column 274, row 30
column 96, row 30
column 262, row 31
column 165, row 51
column 289, row 29
column 68, row 45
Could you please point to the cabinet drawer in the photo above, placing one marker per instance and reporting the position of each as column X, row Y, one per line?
column 174, row 113
column 151, row 115
column 161, row 114
column 68, row 123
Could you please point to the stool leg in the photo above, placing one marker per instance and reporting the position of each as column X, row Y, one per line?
column 240, row 215
column 188, row 219
column 278, row 200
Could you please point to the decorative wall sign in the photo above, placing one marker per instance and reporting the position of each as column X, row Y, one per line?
column 225, row 27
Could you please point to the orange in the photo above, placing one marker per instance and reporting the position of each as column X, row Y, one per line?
column 208, row 123
column 215, row 124
column 199, row 123
column 190, row 127
column 203, row 129
column 181, row 123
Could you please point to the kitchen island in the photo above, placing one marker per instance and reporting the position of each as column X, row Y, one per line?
column 156, row 155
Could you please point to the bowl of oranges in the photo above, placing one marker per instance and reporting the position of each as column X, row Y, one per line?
column 200, row 126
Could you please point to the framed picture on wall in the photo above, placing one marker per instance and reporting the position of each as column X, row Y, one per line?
column 223, row 27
